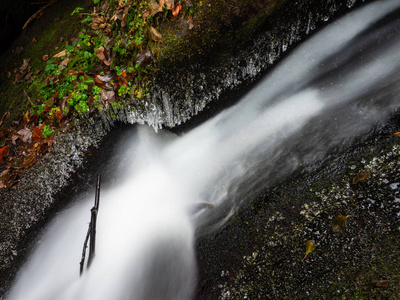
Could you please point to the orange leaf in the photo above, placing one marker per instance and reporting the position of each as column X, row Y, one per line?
column 60, row 54
column 397, row 133
column 176, row 9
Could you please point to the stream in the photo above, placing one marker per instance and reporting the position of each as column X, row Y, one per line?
column 163, row 190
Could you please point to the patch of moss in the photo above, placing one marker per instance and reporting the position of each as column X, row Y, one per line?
column 42, row 36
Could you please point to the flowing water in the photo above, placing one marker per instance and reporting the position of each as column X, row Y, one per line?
column 337, row 86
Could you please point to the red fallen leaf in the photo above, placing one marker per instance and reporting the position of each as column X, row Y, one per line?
column 4, row 152
column 37, row 134
column 122, row 80
column 59, row 115
column 176, row 9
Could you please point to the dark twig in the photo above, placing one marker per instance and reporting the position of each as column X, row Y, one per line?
column 82, row 263
column 91, row 234
column 94, row 210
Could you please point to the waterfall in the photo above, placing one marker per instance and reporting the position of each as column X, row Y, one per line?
column 339, row 85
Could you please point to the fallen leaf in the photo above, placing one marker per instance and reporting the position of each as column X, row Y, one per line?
column 155, row 7
column 397, row 133
column 339, row 223
column 310, row 247
column 100, row 53
column 144, row 58
column 190, row 22
column 382, row 283
column 14, row 137
column 176, row 9
column 107, row 97
column 45, row 57
column 189, row 3
column 361, row 176
column 60, row 54
column 145, row 15
column 4, row 152
column 64, row 63
column 155, row 35
column 37, row 134
column 26, row 135
column 169, row 4
column 24, row 65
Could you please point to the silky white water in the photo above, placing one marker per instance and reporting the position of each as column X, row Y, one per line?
column 336, row 86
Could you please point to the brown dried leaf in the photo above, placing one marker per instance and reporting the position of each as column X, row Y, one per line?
column 100, row 53
column 383, row 283
column 26, row 135
column 144, row 58
column 169, row 4
column 24, row 65
column 155, row 7
column 107, row 97
column 63, row 63
column 60, row 54
column 361, row 176
column 155, row 35
column 45, row 57
column 189, row 3
column 190, row 22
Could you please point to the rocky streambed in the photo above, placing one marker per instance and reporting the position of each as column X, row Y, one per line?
column 355, row 258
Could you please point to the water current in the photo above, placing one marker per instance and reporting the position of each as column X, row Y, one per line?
column 341, row 84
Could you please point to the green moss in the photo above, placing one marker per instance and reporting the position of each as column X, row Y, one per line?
column 42, row 37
